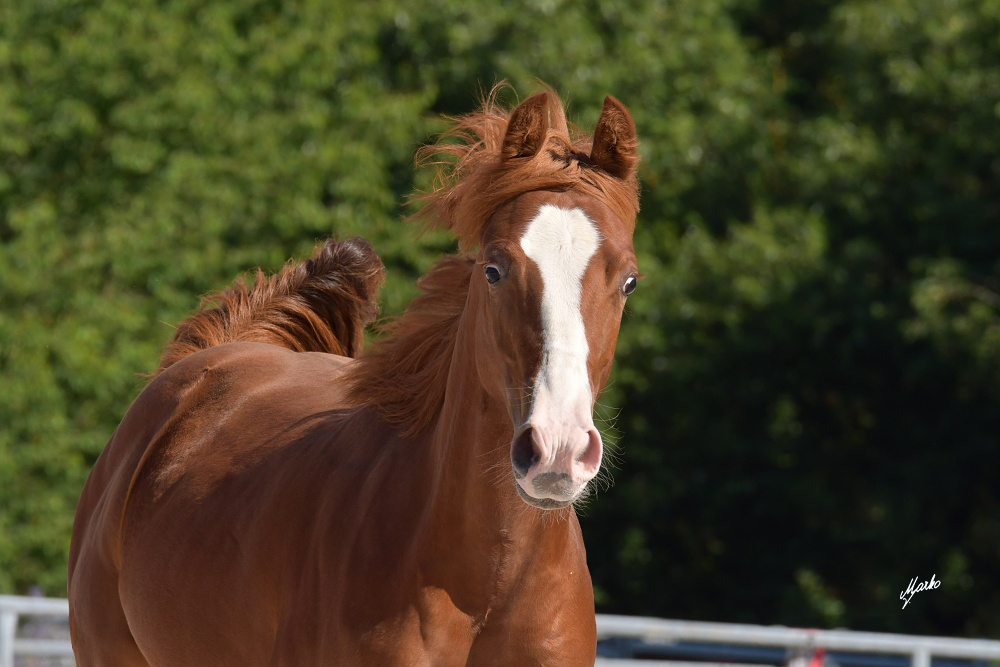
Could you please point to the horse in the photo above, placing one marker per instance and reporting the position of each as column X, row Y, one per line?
column 278, row 495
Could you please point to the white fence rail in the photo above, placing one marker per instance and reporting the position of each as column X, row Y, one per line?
column 12, row 607
column 919, row 649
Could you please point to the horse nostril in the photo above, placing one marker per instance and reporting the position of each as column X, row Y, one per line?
column 592, row 455
column 523, row 453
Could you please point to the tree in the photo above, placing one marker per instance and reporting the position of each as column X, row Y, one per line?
column 807, row 377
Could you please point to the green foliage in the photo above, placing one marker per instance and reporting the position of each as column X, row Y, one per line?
column 809, row 373
column 810, row 397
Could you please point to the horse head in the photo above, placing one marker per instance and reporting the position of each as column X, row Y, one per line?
column 554, row 268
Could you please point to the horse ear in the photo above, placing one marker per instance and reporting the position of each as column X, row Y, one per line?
column 527, row 127
column 615, row 147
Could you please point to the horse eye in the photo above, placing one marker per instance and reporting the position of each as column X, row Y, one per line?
column 492, row 274
column 629, row 285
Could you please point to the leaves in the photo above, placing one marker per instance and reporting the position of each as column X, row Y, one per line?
column 808, row 372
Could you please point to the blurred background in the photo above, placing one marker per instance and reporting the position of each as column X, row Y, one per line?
column 807, row 390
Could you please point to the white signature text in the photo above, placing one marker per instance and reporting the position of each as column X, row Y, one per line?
column 915, row 588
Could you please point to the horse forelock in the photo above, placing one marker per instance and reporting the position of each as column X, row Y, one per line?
column 473, row 179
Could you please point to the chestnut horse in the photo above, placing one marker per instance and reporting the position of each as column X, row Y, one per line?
column 277, row 497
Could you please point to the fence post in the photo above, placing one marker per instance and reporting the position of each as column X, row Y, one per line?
column 921, row 658
column 8, row 626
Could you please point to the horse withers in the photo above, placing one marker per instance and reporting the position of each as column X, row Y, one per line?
column 276, row 496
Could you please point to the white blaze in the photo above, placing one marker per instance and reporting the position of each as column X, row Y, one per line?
column 561, row 242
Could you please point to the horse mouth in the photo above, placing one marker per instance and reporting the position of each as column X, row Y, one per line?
column 542, row 503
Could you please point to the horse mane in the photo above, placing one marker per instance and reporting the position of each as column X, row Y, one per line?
column 474, row 179
column 405, row 375
column 320, row 305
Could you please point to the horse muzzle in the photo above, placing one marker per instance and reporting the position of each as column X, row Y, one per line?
column 554, row 462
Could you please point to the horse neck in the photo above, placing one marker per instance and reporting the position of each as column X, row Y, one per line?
column 481, row 537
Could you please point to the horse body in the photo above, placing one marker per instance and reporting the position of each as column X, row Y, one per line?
column 260, row 505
